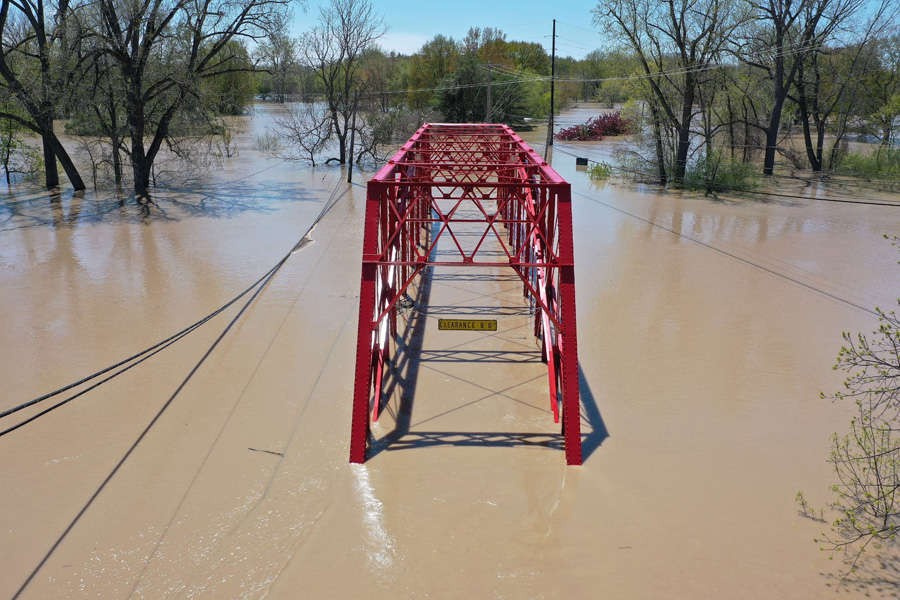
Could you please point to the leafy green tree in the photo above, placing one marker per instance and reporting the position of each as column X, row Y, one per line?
column 464, row 99
column 436, row 61
column 529, row 56
column 378, row 71
column 232, row 91
column 882, row 87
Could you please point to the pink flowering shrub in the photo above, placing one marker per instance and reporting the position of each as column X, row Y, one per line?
column 594, row 129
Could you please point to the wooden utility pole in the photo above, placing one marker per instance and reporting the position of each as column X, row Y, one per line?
column 552, row 86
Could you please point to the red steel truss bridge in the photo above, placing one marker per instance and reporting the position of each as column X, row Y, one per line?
column 467, row 175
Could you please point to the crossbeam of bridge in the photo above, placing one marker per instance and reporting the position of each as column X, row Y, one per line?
column 453, row 175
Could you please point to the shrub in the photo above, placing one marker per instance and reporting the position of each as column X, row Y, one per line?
column 594, row 129
column 633, row 113
column 881, row 164
column 600, row 170
column 713, row 173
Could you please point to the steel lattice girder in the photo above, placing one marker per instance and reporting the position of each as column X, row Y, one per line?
column 450, row 174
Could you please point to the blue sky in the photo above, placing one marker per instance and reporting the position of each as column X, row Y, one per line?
column 411, row 24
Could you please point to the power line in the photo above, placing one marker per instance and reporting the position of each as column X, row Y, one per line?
column 135, row 359
column 730, row 255
column 529, row 77
column 325, row 210
column 546, row 78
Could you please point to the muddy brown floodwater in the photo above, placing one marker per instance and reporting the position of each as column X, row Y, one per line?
column 707, row 329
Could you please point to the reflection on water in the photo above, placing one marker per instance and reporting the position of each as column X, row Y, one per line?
column 226, row 199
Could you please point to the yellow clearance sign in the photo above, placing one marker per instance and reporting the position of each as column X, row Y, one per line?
column 468, row 324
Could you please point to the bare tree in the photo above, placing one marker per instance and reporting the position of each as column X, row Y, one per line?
column 306, row 132
column 883, row 87
column 780, row 33
column 828, row 83
column 38, row 48
column 675, row 42
column 103, row 105
column 278, row 54
column 334, row 48
column 163, row 49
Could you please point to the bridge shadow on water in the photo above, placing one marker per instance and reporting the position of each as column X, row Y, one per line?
column 403, row 438
column 399, row 391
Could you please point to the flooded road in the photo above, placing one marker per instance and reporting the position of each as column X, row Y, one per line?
column 707, row 329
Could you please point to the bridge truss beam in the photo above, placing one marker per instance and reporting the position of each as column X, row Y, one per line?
column 450, row 175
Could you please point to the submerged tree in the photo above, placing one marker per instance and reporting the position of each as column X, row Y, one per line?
column 39, row 63
column 675, row 41
column 780, row 34
column 882, row 85
column 334, row 49
column 163, row 50
column 829, row 85
column 306, row 132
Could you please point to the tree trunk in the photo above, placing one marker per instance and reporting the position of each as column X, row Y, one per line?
column 782, row 86
column 342, row 147
column 7, row 152
column 66, row 161
column 814, row 161
column 53, row 150
column 51, row 173
column 820, row 142
column 657, row 134
column 114, row 138
column 730, row 126
column 684, row 132
column 746, row 154
column 117, row 161
column 140, row 165
column 772, row 136
column 835, row 150
column 141, row 171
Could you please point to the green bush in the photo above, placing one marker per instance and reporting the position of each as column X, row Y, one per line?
column 600, row 170
column 714, row 173
column 881, row 164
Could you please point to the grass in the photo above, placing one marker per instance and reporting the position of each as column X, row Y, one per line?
column 883, row 164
